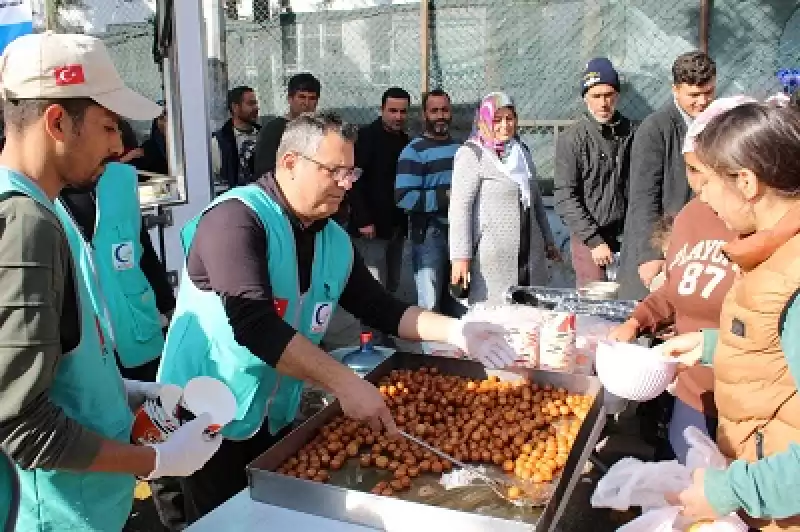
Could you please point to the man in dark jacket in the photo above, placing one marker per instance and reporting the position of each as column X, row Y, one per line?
column 591, row 176
column 152, row 155
column 303, row 95
column 658, row 182
column 233, row 145
column 378, row 225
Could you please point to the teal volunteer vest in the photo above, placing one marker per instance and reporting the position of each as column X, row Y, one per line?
column 200, row 339
column 88, row 388
column 128, row 305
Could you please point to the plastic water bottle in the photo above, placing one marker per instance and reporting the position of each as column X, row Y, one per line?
column 612, row 268
column 365, row 358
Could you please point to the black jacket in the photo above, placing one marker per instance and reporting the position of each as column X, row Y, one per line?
column 372, row 197
column 229, row 155
column 658, row 186
column 155, row 154
column 269, row 139
column 592, row 170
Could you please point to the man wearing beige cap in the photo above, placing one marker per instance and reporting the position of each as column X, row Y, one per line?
column 65, row 412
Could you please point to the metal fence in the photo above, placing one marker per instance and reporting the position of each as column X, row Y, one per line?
column 534, row 50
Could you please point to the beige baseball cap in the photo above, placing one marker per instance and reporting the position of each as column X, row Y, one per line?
column 55, row 66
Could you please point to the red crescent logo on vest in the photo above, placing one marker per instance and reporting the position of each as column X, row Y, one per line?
column 69, row 75
column 281, row 305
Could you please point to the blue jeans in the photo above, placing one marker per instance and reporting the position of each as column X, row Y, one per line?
column 429, row 260
column 684, row 416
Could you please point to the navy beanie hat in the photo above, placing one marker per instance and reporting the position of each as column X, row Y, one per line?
column 599, row 71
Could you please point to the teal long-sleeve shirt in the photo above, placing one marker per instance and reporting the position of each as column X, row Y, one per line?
column 770, row 487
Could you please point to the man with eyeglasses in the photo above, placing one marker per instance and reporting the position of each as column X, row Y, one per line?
column 265, row 271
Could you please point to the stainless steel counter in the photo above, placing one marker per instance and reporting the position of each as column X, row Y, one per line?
column 243, row 514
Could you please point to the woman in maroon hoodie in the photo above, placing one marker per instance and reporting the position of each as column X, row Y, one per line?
column 698, row 275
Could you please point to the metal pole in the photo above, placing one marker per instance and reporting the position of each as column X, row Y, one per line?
column 424, row 37
column 705, row 24
column 50, row 15
column 188, row 79
column 217, row 61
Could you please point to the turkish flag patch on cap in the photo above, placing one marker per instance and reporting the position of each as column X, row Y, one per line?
column 69, row 75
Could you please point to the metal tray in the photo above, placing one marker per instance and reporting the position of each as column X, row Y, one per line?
column 570, row 299
column 353, row 506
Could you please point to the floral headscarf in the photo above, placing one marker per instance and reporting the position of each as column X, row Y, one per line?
column 511, row 158
column 482, row 127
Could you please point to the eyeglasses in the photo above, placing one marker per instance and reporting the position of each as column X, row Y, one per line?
column 338, row 173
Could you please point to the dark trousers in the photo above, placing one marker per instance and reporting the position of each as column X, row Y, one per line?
column 167, row 492
column 225, row 474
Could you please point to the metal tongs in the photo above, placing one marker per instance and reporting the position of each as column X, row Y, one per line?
column 496, row 482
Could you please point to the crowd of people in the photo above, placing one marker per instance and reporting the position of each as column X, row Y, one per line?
column 698, row 204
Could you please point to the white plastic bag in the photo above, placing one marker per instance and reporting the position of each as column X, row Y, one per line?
column 703, row 452
column 659, row 520
column 631, row 482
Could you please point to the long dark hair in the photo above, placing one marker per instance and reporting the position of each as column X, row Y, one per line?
column 762, row 138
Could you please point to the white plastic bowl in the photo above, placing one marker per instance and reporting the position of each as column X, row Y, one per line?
column 633, row 372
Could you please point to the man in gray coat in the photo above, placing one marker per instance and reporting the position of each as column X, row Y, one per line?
column 591, row 176
column 658, row 182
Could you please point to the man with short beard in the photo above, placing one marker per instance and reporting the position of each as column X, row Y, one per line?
column 422, row 190
column 658, row 182
column 592, row 170
column 233, row 145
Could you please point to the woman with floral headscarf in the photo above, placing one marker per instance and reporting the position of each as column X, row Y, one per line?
column 499, row 234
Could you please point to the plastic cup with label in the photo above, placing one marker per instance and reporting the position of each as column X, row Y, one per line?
column 156, row 419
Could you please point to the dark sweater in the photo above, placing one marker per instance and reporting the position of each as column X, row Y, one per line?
column 155, row 154
column 269, row 139
column 372, row 196
column 229, row 256
column 658, row 185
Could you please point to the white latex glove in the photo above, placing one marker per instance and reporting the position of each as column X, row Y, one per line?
column 138, row 392
column 187, row 449
column 482, row 341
